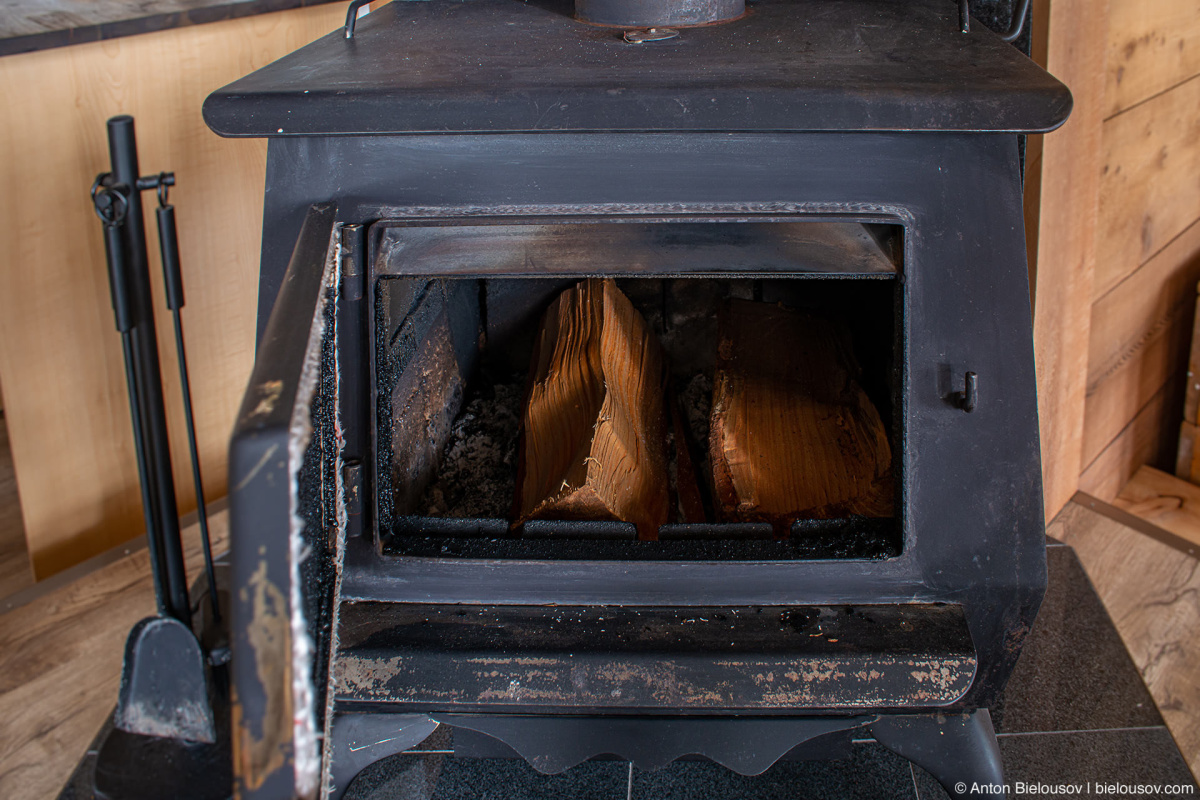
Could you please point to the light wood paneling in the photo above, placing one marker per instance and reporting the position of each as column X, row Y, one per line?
column 1148, row 240
column 1163, row 500
column 59, row 352
column 1149, row 192
column 1140, row 442
column 1069, row 184
column 1126, row 391
column 1152, row 46
column 1152, row 593
column 68, row 646
column 15, row 570
column 1126, row 316
column 1140, row 335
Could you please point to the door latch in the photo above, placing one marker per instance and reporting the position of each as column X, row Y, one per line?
column 968, row 398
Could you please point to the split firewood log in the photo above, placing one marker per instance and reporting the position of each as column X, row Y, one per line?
column 593, row 443
column 793, row 434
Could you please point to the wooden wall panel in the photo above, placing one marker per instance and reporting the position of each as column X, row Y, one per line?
column 1139, row 442
column 1140, row 337
column 60, row 355
column 1149, row 192
column 1075, row 31
column 1148, row 241
column 1152, row 46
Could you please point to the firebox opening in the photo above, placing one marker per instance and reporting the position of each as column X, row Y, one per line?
column 495, row 394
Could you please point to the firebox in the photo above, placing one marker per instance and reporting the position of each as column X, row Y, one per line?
column 777, row 265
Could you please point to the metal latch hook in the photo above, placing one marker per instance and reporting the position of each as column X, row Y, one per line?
column 968, row 398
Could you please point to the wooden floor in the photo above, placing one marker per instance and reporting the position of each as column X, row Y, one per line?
column 60, row 663
column 1152, row 593
column 60, row 655
column 15, row 571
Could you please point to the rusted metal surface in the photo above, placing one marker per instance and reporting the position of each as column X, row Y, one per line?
column 620, row 659
column 262, row 745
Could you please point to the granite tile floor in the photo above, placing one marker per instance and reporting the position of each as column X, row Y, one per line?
column 1076, row 714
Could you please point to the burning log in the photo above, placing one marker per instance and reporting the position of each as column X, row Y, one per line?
column 793, row 435
column 593, row 431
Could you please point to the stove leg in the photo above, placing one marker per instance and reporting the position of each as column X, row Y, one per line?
column 358, row 740
column 959, row 750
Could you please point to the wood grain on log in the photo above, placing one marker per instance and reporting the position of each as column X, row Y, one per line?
column 793, row 434
column 593, row 430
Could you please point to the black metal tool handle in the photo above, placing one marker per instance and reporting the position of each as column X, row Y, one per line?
column 118, row 203
column 168, row 242
column 111, row 203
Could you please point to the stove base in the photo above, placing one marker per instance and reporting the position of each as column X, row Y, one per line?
column 959, row 750
column 1075, row 679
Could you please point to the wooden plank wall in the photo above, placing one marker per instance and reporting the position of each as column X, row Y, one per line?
column 1147, row 241
column 60, row 356
column 1062, row 185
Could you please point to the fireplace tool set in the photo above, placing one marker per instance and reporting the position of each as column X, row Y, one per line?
column 636, row 378
column 170, row 680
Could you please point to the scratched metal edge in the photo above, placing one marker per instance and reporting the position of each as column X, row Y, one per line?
column 857, row 684
column 306, row 755
column 325, row 754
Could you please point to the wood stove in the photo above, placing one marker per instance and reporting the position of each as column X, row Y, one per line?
column 434, row 181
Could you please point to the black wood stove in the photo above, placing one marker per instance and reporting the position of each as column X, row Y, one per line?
column 433, row 181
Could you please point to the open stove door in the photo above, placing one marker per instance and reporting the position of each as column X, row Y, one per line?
column 285, row 517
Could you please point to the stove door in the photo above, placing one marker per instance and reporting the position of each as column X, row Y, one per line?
column 285, row 514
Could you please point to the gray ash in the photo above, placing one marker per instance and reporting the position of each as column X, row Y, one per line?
column 478, row 472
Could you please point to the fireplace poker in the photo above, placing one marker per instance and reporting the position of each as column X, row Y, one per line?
column 168, row 242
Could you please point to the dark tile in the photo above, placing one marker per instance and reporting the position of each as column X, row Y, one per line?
column 401, row 777
column 437, row 777
column 80, row 784
column 1074, row 672
column 872, row 773
column 442, row 738
column 1145, row 756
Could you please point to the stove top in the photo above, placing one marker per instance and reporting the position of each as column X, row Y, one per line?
column 504, row 66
